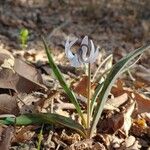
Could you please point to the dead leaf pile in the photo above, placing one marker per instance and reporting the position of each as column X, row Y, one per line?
column 18, row 76
column 128, row 111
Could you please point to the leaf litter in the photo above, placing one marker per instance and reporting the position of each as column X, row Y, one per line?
column 127, row 124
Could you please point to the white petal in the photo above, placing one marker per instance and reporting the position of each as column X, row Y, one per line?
column 83, row 53
column 92, row 52
column 85, row 41
column 84, row 49
column 68, row 45
column 95, row 55
column 75, row 62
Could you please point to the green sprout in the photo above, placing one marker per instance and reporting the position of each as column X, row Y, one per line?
column 24, row 34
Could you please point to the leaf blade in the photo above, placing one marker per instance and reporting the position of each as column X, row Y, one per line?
column 62, row 82
column 40, row 118
column 108, row 83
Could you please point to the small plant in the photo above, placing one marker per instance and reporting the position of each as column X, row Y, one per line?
column 85, row 55
column 24, row 33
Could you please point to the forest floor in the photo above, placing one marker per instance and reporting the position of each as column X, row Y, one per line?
column 117, row 27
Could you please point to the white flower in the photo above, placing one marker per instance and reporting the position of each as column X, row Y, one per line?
column 85, row 54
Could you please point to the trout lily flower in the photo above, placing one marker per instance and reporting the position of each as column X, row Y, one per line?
column 85, row 54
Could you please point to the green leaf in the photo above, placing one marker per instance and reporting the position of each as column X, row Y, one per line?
column 62, row 82
column 40, row 138
column 24, row 33
column 109, row 81
column 28, row 119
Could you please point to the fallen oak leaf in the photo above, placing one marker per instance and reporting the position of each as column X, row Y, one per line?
column 8, row 104
column 29, row 72
column 81, row 86
column 118, row 122
column 143, row 102
column 8, row 79
column 25, row 79
column 112, row 124
column 11, row 80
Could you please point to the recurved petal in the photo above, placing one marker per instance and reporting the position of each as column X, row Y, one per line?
column 69, row 54
column 92, row 52
column 75, row 62
column 85, row 41
column 83, row 54
column 93, row 59
column 68, row 45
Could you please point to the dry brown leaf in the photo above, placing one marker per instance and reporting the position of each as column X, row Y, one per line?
column 82, row 145
column 141, row 122
column 98, row 146
column 24, row 134
column 110, row 107
column 8, row 79
column 143, row 102
column 81, row 86
column 8, row 63
column 141, row 126
column 7, row 134
column 4, row 55
column 30, row 102
column 127, row 118
column 146, row 116
column 28, row 72
column 116, row 142
column 117, row 101
column 63, row 113
column 111, row 125
column 11, row 80
column 8, row 104
column 130, row 143
column 118, row 122
column 70, row 138
column 139, row 84
column 25, row 79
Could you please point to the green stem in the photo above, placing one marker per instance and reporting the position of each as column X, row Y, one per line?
column 89, row 98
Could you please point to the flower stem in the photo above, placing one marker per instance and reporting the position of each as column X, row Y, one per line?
column 88, row 98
